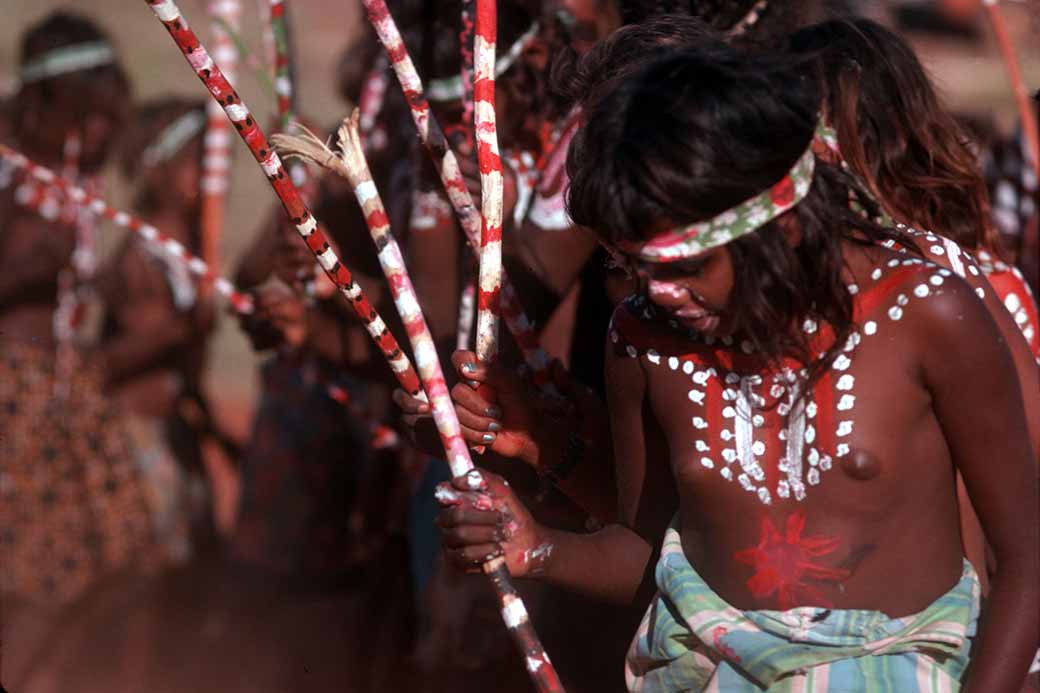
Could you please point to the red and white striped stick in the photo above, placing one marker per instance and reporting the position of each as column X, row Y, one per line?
column 392, row 261
column 170, row 247
column 1025, row 109
column 489, row 281
column 210, row 75
column 216, row 145
column 268, row 51
column 543, row 675
column 432, row 137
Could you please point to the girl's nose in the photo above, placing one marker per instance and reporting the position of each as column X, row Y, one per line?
column 667, row 294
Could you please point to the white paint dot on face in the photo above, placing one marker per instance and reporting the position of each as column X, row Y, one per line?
column 810, row 434
column 842, row 362
column 763, row 495
column 729, row 412
column 842, row 449
column 729, row 454
column 758, row 421
column 814, row 457
column 870, row 327
column 726, row 434
column 893, row 263
column 921, row 290
column 974, row 270
column 631, row 351
column 935, row 280
column 701, row 446
column 729, row 394
column 876, row 274
column 783, row 489
column 759, row 448
column 776, row 390
column 745, row 482
column 895, row 312
column 673, row 362
column 980, row 292
column 902, row 299
column 706, row 462
column 696, row 396
column 810, row 409
column 726, row 473
column 846, row 402
column 825, row 462
column 699, row 423
column 783, row 409
column 687, row 367
column 945, row 272
column 937, row 250
column 809, row 326
column 732, row 378
column 853, row 289
column 701, row 377
column 846, row 382
column 813, row 477
column 653, row 357
column 614, row 336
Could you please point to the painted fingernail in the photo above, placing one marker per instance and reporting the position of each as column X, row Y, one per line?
column 488, row 437
column 494, row 412
column 473, row 383
column 469, row 367
column 494, row 427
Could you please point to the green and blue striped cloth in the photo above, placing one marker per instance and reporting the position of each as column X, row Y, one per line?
column 692, row 640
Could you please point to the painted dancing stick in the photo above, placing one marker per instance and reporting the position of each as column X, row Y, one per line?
column 210, row 75
column 263, row 10
column 432, row 138
column 353, row 166
column 370, row 103
column 1025, row 108
column 216, row 145
column 467, row 308
column 170, row 247
column 489, row 280
column 466, row 67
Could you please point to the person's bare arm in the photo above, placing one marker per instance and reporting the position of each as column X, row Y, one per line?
column 1025, row 366
column 32, row 252
column 151, row 328
column 611, row 563
column 978, row 401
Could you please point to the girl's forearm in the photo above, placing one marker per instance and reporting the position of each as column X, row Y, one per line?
column 1010, row 635
column 608, row 564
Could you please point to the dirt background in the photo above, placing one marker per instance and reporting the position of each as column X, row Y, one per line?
column 971, row 76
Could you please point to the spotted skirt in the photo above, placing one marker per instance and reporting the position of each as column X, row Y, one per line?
column 73, row 508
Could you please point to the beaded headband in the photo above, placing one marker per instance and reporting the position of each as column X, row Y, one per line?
column 685, row 242
column 173, row 137
column 450, row 88
column 61, row 61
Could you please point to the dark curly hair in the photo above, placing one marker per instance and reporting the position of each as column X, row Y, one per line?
column 895, row 133
column 698, row 132
column 751, row 21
